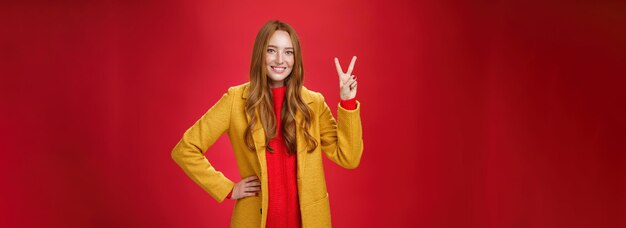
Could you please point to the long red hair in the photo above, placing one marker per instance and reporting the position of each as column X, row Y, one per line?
column 260, row 95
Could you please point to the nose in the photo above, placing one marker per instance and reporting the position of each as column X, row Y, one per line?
column 279, row 58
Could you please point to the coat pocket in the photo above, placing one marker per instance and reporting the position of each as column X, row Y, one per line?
column 247, row 212
column 317, row 213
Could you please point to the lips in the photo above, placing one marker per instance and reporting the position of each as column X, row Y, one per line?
column 278, row 69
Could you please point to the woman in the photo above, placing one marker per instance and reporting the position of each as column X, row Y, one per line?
column 278, row 130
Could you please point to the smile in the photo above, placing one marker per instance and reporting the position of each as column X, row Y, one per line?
column 278, row 69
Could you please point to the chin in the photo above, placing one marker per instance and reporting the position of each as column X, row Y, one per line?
column 276, row 79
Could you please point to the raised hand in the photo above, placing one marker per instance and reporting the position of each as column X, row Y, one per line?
column 249, row 186
column 347, row 81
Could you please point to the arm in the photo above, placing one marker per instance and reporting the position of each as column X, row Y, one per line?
column 342, row 140
column 189, row 152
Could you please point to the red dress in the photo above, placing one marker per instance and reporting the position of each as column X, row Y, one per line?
column 283, row 205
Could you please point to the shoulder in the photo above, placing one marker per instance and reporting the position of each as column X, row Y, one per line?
column 310, row 96
column 240, row 90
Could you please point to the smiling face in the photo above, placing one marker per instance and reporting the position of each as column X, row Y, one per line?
column 279, row 58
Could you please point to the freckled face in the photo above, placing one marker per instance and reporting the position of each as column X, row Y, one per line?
column 279, row 58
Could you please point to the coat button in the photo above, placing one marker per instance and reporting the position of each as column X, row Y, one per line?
column 261, row 210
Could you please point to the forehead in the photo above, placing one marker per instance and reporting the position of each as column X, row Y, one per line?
column 280, row 39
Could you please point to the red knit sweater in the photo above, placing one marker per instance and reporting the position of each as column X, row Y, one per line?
column 283, row 204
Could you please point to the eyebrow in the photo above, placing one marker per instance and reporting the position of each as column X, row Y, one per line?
column 277, row 47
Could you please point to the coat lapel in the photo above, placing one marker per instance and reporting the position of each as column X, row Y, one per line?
column 300, row 146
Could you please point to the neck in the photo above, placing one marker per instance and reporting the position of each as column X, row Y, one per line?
column 277, row 84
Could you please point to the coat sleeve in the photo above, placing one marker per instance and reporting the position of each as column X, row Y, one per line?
column 342, row 140
column 189, row 152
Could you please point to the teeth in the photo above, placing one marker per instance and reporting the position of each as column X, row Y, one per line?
column 279, row 69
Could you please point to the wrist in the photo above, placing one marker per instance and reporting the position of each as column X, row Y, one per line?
column 349, row 104
column 230, row 194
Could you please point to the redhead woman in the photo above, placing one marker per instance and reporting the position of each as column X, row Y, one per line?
column 278, row 130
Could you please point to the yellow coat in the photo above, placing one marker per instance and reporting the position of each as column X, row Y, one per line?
column 340, row 140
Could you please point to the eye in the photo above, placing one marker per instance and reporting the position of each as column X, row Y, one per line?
column 271, row 51
column 289, row 52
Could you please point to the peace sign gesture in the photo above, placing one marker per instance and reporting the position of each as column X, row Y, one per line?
column 347, row 81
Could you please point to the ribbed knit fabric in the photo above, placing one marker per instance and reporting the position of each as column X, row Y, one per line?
column 283, row 205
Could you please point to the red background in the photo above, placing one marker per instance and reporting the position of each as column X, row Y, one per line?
column 481, row 114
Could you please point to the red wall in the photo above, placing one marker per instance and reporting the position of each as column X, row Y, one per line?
column 482, row 114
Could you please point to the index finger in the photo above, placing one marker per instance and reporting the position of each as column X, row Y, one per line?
column 339, row 70
column 351, row 67
column 250, row 178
